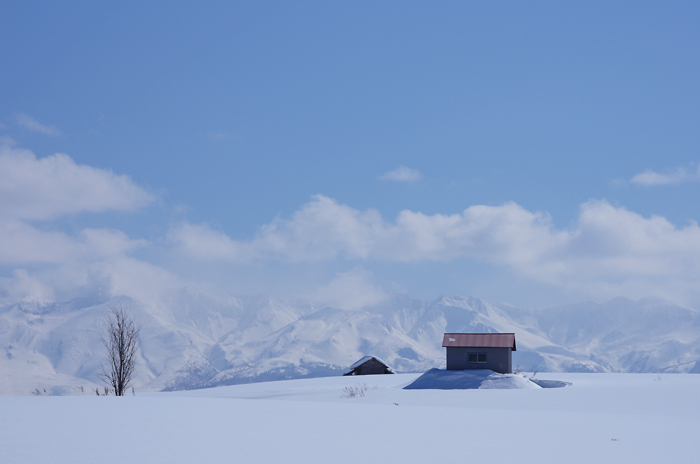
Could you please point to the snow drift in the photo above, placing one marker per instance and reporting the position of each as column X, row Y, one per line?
column 441, row 379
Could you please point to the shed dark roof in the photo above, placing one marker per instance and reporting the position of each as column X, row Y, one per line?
column 480, row 340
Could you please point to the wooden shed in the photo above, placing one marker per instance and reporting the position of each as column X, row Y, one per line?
column 369, row 365
column 480, row 351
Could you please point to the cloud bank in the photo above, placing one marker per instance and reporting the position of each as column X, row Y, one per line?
column 324, row 229
column 610, row 251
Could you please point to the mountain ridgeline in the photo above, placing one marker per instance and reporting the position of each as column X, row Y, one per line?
column 197, row 341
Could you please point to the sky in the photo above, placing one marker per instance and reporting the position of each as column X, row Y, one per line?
column 536, row 154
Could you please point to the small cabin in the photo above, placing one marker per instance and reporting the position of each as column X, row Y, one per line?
column 369, row 365
column 480, row 351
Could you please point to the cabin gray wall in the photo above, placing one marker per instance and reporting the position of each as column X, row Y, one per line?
column 498, row 359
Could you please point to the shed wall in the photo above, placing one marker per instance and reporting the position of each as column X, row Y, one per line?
column 372, row 367
column 498, row 359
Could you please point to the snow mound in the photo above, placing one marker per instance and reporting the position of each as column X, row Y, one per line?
column 441, row 379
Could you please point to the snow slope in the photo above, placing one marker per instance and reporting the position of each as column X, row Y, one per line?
column 607, row 418
column 196, row 340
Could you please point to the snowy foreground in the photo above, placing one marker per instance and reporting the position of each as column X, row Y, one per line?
column 603, row 418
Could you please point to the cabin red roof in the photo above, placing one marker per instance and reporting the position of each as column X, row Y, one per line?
column 480, row 340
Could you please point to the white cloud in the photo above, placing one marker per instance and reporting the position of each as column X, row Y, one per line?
column 103, row 279
column 402, row 174
column 677, row 176
column 354, row 289
column 609, row 252
column 53, row 264
column 25, row 288
column 200, row 241
column 31, row 124
column 22, row 244
column 34, row 188
column 320, row 230
column 324, row 229
column 140, row 280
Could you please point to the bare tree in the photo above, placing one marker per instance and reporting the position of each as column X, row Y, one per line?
column 121, row 338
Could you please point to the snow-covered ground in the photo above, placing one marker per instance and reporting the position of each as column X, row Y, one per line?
column 600, row 418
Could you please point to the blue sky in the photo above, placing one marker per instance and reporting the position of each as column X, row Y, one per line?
column 531, row 153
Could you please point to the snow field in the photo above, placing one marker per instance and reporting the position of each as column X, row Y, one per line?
column 603, row 418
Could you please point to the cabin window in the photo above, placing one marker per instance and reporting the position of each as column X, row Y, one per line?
column 476, row 357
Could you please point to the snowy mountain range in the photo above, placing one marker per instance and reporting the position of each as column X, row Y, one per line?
column 196, row 340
